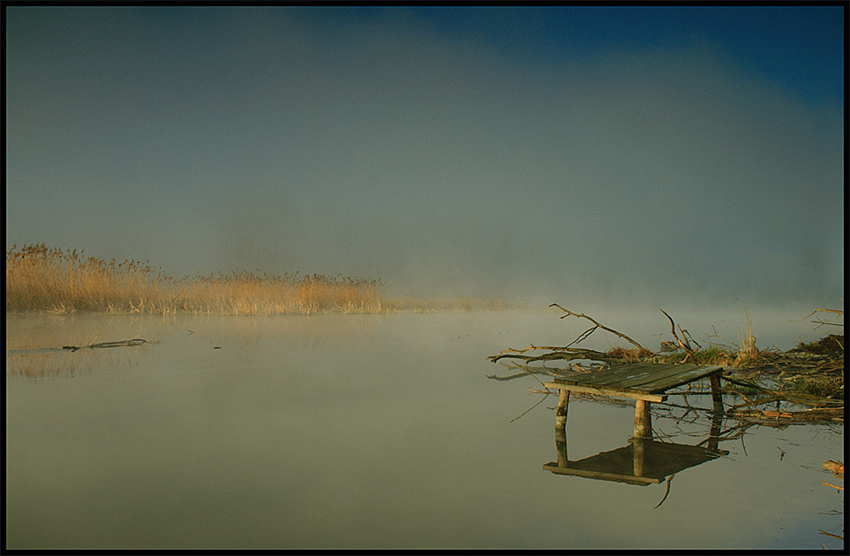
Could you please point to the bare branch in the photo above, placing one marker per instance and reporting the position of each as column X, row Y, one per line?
column 612, row 331
column 820, row 322
column 685, row 345
column 566, row 354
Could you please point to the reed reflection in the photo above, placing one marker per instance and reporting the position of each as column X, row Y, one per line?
column 58, row 362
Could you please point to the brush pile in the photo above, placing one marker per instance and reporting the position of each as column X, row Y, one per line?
column 808, row 380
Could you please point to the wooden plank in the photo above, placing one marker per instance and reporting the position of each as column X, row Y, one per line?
column 643, row 377
column 658, row 460
column 607, row 391
column 619, row 376
column 662, row 383
column 625, row 376
column 648, row 375
column 601, row 475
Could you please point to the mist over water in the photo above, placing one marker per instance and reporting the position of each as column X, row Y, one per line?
column 363, row 431
column 609, row 173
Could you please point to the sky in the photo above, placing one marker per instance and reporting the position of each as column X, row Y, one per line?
column 581, row 155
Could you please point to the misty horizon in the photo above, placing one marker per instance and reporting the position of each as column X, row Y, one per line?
column 546, row 155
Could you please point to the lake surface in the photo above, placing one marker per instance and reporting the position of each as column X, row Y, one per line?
column 369, row 431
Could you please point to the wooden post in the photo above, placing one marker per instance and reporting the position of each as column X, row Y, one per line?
column 716, row 394
column 717, row 416
column 643, row 433
column 643, row 419
column 714, row 431
column 561, row 446
column 561, row 412
column 638, row 450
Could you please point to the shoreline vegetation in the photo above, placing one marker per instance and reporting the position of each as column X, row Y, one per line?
column 803, row 384
column 62, row 282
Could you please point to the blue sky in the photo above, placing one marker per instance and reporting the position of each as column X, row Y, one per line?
column 609, row 154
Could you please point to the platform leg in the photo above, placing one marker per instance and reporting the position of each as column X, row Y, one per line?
column 638, row 445
column 716, row 394
column 561, row 446
column 714, row 432
column 561, row 412
column 643, row 419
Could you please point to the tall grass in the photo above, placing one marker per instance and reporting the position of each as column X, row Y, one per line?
column 39, row 278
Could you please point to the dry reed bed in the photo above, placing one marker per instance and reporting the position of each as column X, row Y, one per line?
column 39, row 278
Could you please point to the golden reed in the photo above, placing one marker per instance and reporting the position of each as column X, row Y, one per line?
column 39, row 278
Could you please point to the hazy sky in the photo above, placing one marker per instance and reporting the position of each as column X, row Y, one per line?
column 555, row 153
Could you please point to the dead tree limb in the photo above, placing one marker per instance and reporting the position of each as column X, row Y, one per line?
column 566, row 354
column 684, row 343
column 597, row 325
column 820, row 322
column 129, row 343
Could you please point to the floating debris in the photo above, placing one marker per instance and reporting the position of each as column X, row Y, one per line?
column 124, row 343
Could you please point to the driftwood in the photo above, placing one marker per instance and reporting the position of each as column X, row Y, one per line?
column 123, row 343
column 782, row 417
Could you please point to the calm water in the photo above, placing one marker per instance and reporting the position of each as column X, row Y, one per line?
column 348, row 431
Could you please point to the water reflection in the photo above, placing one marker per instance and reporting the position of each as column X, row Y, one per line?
column 643, row 461
column 34, row 342
column 300, row 432
column 58, row 362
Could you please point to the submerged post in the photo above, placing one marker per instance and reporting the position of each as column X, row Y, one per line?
column 561, row 412
column 643, row 433
column 714, row 431
column 561, row 446
column 638, row 456
column 717, row 416
column 716, row 394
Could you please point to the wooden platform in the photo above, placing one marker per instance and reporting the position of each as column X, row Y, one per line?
column 644, row 382
column 640, row 463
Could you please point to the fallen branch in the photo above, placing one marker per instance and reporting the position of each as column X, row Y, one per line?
column 822, row 532
column 557, row 353
column 769, row 416
column 529, row 409
column 670, row 478
column 123, row 343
